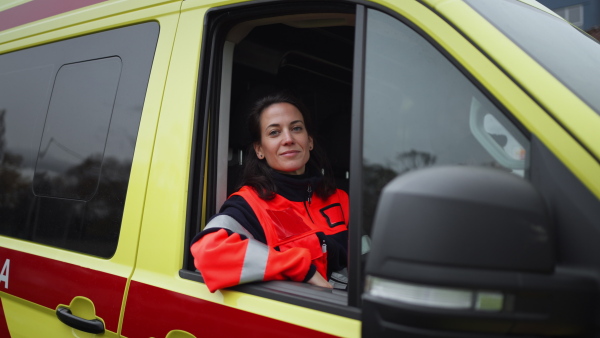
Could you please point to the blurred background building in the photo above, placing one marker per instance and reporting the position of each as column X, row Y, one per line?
column 582, row 13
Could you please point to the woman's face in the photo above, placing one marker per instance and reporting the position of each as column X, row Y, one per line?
column 284, row 140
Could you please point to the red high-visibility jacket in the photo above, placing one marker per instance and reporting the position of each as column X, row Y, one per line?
column 296, row 236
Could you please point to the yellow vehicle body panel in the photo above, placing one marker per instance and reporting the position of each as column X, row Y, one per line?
column 22, row 312
column 100, row 17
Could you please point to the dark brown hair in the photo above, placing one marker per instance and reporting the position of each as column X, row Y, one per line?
column 257, row 172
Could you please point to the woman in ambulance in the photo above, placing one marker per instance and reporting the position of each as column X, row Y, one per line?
column 287, row 221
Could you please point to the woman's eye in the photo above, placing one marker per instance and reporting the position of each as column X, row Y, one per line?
column 273, row 133
column 297, row 128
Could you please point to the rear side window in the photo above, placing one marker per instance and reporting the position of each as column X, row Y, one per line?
column 83, row 96
column 69, row 118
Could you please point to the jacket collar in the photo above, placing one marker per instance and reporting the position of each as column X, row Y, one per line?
column 296, row 188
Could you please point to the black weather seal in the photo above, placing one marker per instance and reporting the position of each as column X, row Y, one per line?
column 309, row 296
column 355, row 274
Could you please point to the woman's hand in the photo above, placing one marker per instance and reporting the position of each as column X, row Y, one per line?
column 318, row 280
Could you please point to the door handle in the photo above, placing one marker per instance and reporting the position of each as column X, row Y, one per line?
column 81, row 324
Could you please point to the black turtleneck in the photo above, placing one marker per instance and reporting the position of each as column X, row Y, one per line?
column 296, row 188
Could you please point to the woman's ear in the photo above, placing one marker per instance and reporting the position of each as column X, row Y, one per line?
column 258, row 151
column 310, row 143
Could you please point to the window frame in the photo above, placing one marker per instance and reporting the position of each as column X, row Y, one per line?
column 201, row 201
column 108, row 43
column 203, row 195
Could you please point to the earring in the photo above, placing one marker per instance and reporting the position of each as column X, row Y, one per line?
column 260, row 156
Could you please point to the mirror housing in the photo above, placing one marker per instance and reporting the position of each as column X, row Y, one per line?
column 468, row 250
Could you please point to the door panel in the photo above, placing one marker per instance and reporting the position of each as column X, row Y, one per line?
column 38, row 285
column 199, row 317
column 75, row 246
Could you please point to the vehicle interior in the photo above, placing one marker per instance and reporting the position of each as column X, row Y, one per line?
column 309, row 54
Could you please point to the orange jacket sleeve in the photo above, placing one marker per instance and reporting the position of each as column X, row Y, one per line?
column 226, row 259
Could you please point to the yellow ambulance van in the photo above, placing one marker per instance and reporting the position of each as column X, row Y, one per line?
column 466, row 132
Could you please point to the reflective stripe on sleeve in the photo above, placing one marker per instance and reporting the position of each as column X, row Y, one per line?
column 255, row 262
column 228, row 222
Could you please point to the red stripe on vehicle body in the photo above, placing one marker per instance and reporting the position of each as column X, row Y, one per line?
column 49, row 282
column 154, row 312
column 39, row 9
column 3, row 325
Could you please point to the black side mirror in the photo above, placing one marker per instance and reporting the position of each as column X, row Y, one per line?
column 467, row 250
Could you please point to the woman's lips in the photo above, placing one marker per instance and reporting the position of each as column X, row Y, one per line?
column 289, row 153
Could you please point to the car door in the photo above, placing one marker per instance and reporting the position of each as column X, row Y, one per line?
column 186, row 183
column 73, row 179
column 445, row 103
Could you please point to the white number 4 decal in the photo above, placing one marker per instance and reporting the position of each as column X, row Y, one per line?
column 4, row 273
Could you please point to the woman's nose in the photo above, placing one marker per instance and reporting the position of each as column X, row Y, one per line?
column 287, row 138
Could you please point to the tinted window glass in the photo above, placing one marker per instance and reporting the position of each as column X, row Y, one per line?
column 74, row 137
column 69, row 118
column 559, row 47
column 421, row 111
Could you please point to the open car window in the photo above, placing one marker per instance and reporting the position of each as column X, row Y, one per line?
column 306, row 49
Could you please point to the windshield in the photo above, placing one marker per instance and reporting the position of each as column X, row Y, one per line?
column 571, row 56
